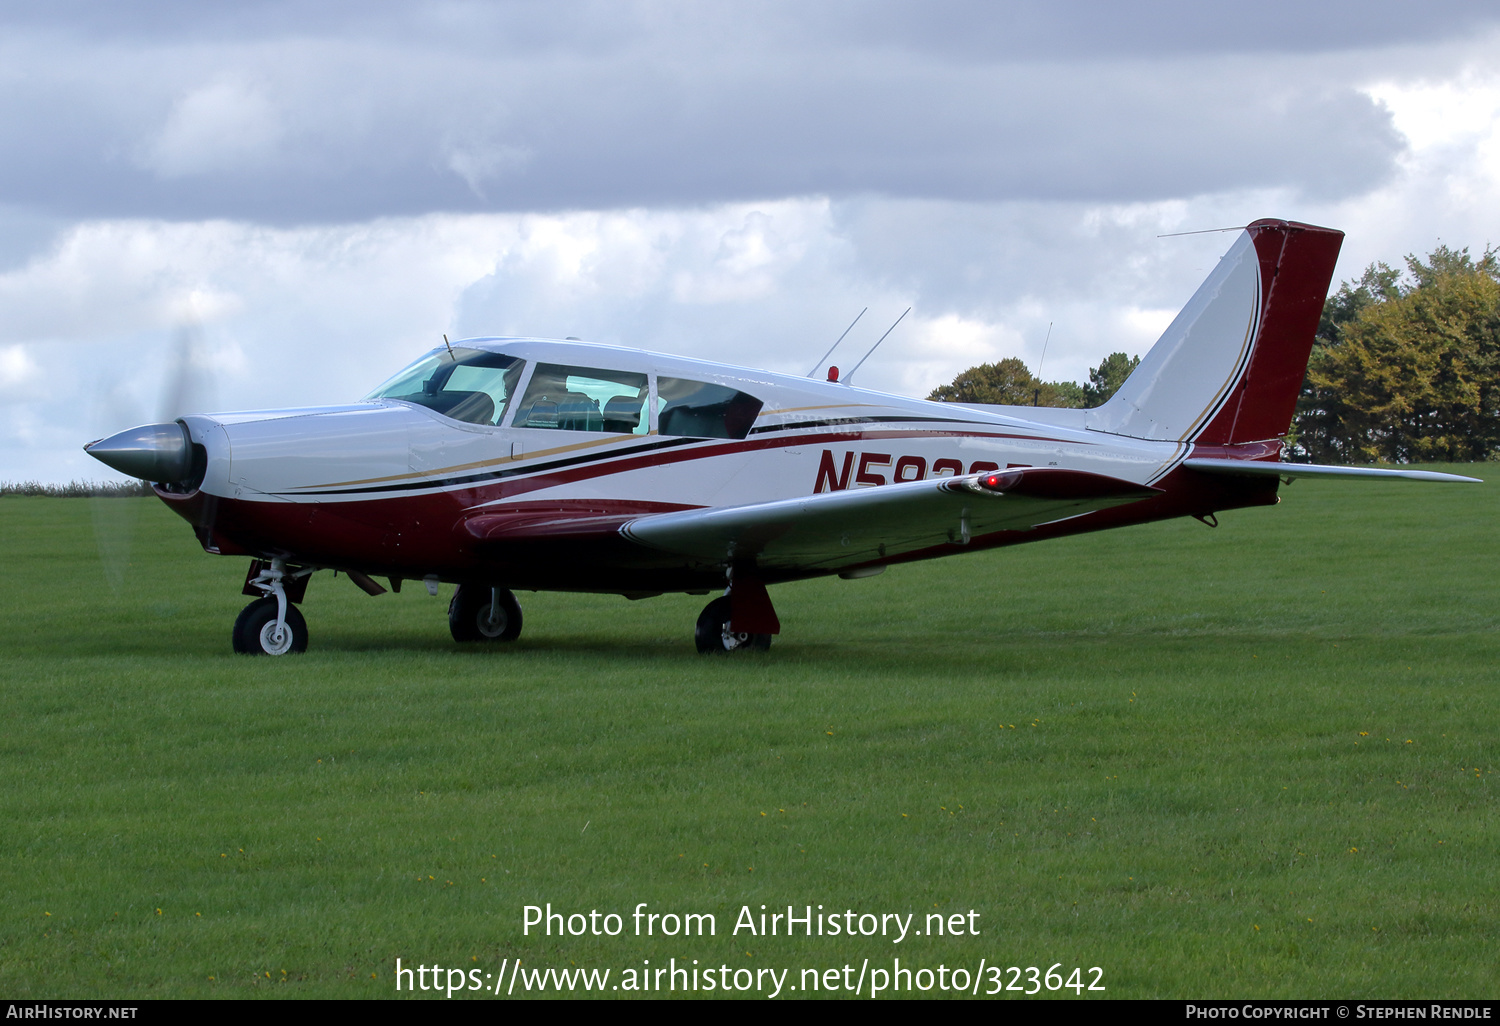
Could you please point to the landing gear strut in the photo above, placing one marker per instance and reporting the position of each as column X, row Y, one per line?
column 478, row 613
column 271, row 625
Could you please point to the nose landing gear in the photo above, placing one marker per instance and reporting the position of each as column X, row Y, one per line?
column 271, row 625
column 258, row 632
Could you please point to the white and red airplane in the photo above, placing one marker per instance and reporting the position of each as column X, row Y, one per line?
column 519, row 463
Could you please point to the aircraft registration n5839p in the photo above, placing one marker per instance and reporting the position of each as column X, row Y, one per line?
column 501, row 464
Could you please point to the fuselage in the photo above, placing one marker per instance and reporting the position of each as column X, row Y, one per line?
column 391, row 486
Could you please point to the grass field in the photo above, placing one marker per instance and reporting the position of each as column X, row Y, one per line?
column 1257, row 761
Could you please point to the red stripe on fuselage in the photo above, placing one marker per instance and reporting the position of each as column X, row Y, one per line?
column 416, row 535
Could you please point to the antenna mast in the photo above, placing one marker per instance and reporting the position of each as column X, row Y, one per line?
column 1036, row 393
column 876, row 346
column 836, row 343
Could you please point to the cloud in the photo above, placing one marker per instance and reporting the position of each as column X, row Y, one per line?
column 221, row 127
column 321, row 314
column 317, row 193
column 938, row 345
column 952, row 28
column 401, row 110
column 1452, row 124
column 17, row 369
column 483, row 162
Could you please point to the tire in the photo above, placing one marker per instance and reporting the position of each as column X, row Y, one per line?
column 469, row 615
column 712, row 633
column 255, row 630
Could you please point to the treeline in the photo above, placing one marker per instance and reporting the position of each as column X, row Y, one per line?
column 1406, row 367
column 78, row 489
column 1011, row 383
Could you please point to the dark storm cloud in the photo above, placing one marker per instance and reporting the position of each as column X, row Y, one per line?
column 284, row 112
column 981, row 28
column 1071, row 31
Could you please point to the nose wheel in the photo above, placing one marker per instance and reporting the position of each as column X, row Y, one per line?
column 713, row 634
column 256, row 631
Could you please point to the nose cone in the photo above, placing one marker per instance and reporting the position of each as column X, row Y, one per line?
column 152, row 452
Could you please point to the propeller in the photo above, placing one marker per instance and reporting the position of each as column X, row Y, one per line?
column 151, row 452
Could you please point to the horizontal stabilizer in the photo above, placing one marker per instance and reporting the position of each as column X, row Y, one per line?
column 831, row 530
column 1260, row 468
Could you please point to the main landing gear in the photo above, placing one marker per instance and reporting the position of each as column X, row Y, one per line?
column 478, row 613
column 713, row 634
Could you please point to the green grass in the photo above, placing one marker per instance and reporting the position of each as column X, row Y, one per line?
column 1258, row 761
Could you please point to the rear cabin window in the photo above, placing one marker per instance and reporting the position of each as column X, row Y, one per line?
column 700, row 410
column 584, row 399
column 471, row 385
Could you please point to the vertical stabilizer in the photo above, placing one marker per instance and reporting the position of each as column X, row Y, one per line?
column 1228, row 368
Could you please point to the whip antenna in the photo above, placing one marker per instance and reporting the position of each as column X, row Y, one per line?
column 449, row 345
column 876, row 346
column 1205, row 231
column 1036, row 393
column 836, row 344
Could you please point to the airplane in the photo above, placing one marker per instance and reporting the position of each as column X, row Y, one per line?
column 505, row 464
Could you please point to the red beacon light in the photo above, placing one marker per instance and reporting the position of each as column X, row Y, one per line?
column 833, row 373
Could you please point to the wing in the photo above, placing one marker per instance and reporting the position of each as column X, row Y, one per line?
column 859, row 525
column 1261, row 468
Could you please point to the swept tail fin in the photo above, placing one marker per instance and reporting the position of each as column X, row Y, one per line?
column 1228, row 368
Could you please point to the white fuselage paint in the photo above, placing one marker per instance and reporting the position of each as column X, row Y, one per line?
column 371, row 450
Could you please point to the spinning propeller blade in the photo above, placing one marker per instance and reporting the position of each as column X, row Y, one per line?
column 159, row 452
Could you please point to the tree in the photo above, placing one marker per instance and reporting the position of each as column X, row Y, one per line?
column 1407, row 370
column 1008, row 383
column 1105, row 380
column 1379, row 283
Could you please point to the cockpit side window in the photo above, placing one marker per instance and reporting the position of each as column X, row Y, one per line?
column 701, row 410
column 471, row 385
column 584, row 399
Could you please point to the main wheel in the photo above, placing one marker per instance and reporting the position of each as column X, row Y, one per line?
column 255, row 631
column 476, row 615
column 713, row 634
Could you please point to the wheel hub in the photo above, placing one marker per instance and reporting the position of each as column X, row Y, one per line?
column 275, row 638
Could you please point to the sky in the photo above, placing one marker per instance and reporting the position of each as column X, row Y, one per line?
column 268, row 204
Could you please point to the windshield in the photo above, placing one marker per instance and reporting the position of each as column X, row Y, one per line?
column 471, row 385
